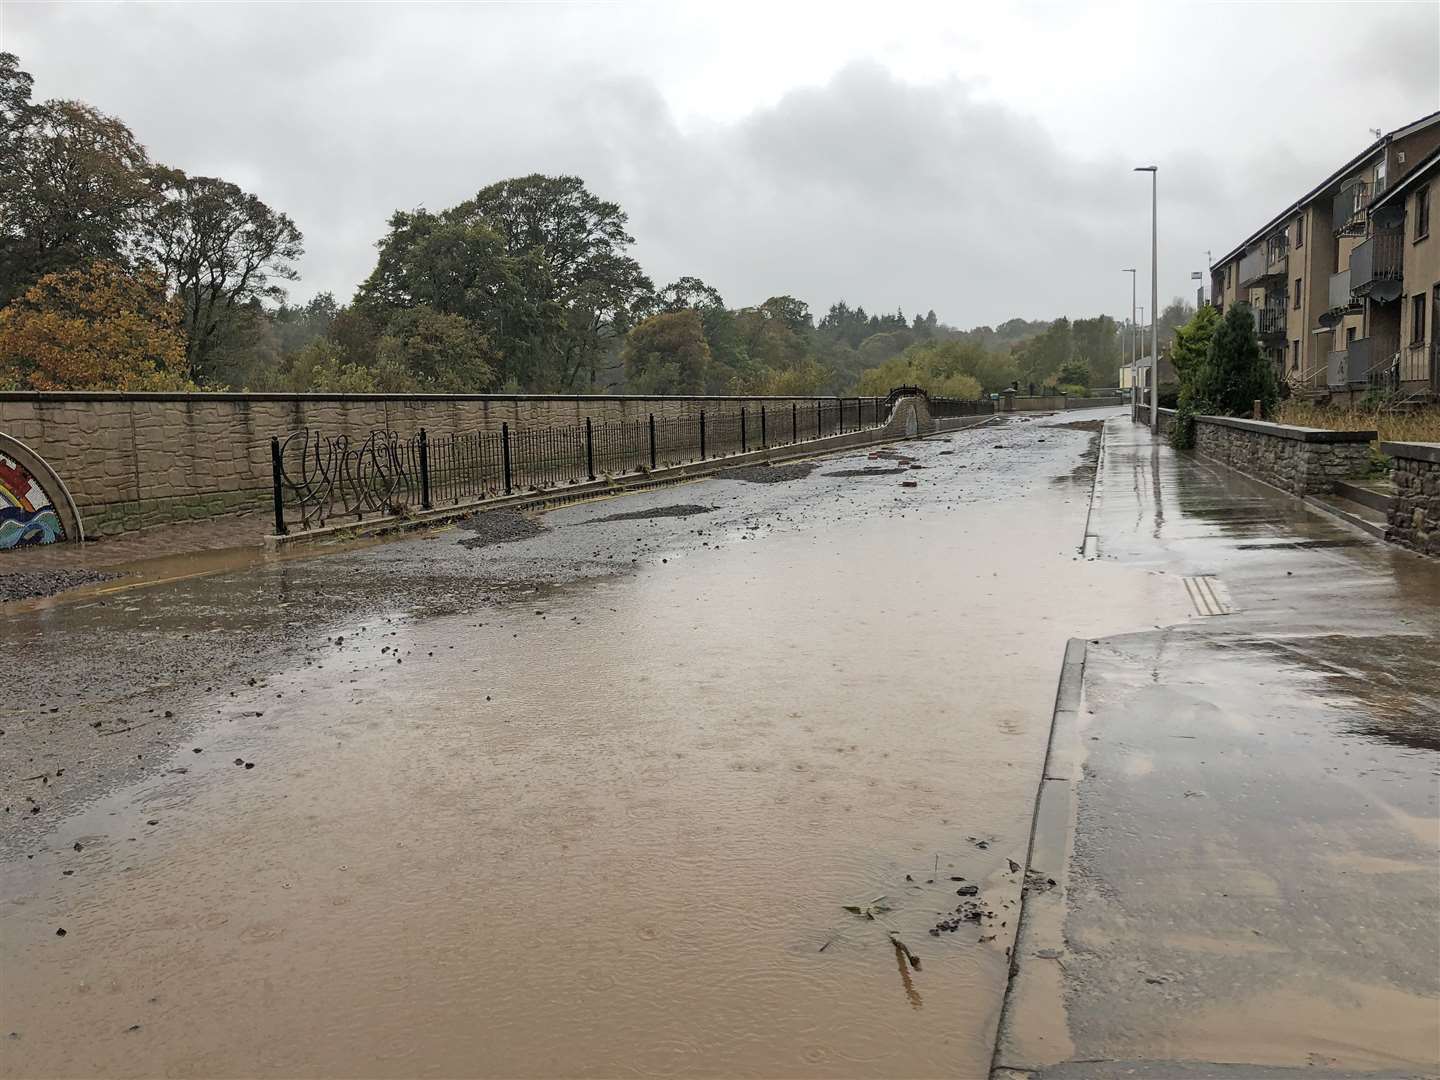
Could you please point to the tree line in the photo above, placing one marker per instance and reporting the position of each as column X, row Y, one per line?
column 119, row 272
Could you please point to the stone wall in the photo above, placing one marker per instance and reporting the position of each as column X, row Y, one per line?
column 1302, row 461
column 1415, row 508
column 134, row 460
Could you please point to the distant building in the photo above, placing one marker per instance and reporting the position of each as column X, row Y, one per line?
column 1326, row 277
column 1142, row 369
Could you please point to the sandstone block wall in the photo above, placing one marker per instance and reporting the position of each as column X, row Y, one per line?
column 134, row 460
column 1415, row 508
column 1302, row 461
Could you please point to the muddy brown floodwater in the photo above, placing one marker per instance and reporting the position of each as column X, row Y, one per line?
column 608, row 828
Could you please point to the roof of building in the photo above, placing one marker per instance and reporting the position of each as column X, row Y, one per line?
column 1330, row 181
column 1426, row 166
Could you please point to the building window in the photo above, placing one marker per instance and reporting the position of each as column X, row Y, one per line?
column 1417, row 318
column 1298, row 283
column 1300, row 231
column 1295, row 355
column 1422, row 212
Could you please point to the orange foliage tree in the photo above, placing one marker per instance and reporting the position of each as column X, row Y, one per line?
column 98, row 328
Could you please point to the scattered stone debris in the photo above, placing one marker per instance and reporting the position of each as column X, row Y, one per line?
column 28, row 584
column 1035, row 881
column 768, row 474
column 674, row 510
column 498, row 527
column 872, row 470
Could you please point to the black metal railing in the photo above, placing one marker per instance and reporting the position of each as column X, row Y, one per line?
column 323, row 479
column 945, row 408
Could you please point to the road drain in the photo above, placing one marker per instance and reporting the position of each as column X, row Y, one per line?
column 1207, row 595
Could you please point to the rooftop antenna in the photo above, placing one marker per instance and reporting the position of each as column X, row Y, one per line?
column 1377, row 132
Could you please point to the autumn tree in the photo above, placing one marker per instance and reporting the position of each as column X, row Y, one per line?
column 667, row 354
column 99, row 328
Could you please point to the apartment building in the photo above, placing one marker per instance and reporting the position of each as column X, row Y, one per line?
column 1324, row 280
column 1405, row 264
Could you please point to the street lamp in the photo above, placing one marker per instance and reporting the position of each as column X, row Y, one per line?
column 1134, row 353
column 1154, row 170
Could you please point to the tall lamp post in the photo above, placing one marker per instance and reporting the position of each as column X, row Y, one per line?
column 1154, row 170
column 1134, row 355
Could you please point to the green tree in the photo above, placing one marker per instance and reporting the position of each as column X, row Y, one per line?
column 667, row 354
column 74, row 186
column 689, row 292
column 320, row 367
column 1191, row 350
column 438, row 353
column 1073, row 373
column 222, row 250
column 1235, row 374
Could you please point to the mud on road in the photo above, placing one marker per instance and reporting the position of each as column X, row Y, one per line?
column 518, row 765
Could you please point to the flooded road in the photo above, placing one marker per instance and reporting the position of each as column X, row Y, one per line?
column 591, row 802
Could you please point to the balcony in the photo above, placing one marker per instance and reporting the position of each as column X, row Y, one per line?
column 1270, row 318
column 1418, row 363
column 1372, row 356
column 1252, row 268
column 1375, row 265
column 1340, row 297
column 1347, row 215
column 1338, row 369
column 1269, row 259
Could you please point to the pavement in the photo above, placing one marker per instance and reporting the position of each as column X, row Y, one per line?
column 1241, row 813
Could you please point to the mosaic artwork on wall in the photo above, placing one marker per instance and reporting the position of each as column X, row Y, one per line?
column 26, row 514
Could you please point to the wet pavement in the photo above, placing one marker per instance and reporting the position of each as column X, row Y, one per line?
column 591, row 801
column 1248, row 881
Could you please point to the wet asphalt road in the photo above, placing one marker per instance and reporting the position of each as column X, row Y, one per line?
column 586, row 801
column 140, row 663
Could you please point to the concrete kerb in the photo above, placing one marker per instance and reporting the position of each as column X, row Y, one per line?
column 678, row 474
column 1032, row 1033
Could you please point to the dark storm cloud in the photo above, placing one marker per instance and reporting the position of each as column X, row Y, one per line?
column 837, row 179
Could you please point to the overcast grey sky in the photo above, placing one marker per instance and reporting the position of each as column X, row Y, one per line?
column 975, row 159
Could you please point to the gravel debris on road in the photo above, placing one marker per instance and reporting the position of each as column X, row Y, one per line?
column 674, row 510
column 769, row 474
column 28, row 584
column 498, row 527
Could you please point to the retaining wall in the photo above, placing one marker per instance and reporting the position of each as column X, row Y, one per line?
column 1414, row 519
column 1302, row 461
column 135, row 460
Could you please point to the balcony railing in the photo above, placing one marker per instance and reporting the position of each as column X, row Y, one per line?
column 1270, row 318
column 1378, row 259
column 1373, row 359
column 1340, row 291
column 1338, row 370
column 1348, row 211
column 1418, row 363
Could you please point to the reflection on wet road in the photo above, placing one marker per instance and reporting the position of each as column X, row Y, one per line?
column 587, row 803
